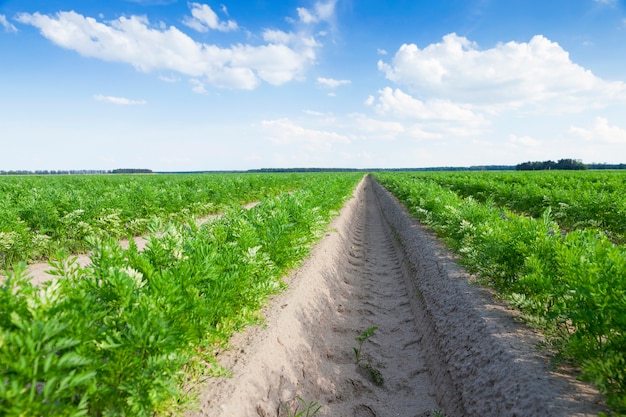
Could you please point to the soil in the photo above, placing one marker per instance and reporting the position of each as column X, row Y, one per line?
column 442, row 344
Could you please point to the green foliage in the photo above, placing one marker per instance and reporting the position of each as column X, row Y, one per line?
column 576, row 200
column 308, row 409
column 42, row 214
column 365, row 334
column 120, row 336
column 365, row 362
column 571, row 285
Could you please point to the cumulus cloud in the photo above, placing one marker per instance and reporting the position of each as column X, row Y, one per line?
column 430, row 119
column 118, row 100
column 8, row 27
column 284, row 57
column 402, row 105
column 287, row 132
column 203, row 18
column 323, row 11
column 510, row 75
column 524, row 141
column 600, row 131
column 305, row 15
column 331, row 83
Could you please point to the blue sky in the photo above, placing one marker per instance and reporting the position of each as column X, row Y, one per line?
column 172, row 85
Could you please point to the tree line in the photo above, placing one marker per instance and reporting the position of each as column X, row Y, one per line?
column 78, row 171
column 562, row 164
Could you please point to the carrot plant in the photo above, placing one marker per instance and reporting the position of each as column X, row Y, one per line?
column 576, row 200
column 40, row 215
column 572, row 285
column 122, row 335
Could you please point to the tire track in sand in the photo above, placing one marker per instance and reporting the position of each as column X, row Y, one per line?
column 376, row 275
column 354, row 279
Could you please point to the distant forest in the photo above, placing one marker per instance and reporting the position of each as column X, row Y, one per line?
column 562, row 164
column 79, row 172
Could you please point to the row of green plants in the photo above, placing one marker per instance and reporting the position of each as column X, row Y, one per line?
column 42, row 214
column 127, row 335
column 576, row 199
column 570, row 285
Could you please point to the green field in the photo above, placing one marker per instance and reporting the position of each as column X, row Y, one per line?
column 549, row 243
column 124, row 334
column 40, row 215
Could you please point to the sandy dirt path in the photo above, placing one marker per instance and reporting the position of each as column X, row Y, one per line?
column 441, row 344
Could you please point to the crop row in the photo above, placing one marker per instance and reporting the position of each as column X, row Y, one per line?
column 576, row 199
column 40, row 215
column 571, row 285
column 121, row 336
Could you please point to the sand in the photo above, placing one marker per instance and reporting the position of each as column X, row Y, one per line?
column 442, row 344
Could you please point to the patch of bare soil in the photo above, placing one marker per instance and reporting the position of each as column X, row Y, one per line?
column 441, row 344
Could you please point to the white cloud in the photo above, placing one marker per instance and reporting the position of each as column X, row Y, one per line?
column 278, row 36
column 381, row 51
column 8, row 27
column 198, row 86
column 609, row 2
column 306, row 16
column 402, row 105
column 331, row 83
column 286, row 132
column 511, row 75
column 118, row 100
column 203, row 18
column 133, row 40
column 524, row 141
column 314, row 113
column 432, row 119
column 172, row 79
column 322, row 12
column 600, row 131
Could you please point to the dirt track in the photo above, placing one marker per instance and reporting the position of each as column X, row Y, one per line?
column 441, row 343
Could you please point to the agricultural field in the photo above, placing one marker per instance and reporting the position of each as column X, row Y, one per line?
column 112, row 338
column 327, row 298
column 552, row 244
column 575, row 199
column 40, row 215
